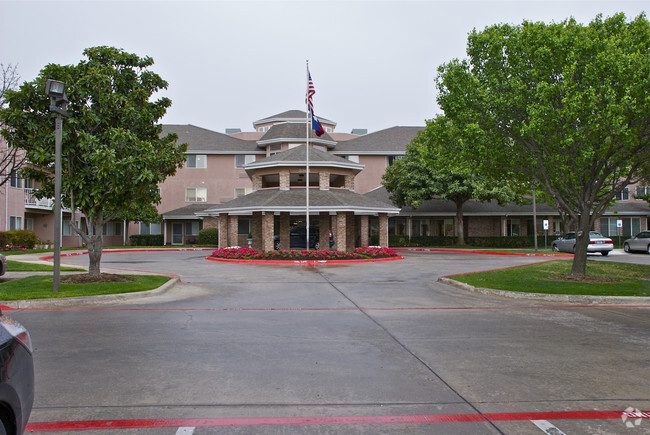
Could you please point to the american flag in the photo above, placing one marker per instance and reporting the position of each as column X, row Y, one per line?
column 315, row 123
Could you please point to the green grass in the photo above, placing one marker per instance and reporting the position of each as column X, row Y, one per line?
column 632, row 279
column 40, row 287
column 19, row 266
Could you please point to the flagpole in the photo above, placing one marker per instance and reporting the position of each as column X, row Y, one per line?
column 307, row 122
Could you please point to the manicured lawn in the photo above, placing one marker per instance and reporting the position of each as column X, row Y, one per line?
column 631, row 279
column 19, row 266
column 40, row 287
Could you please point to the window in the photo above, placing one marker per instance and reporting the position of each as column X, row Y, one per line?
column 29, row 224
column 118, row 229
column 107, row 229
column 196, row 161
column 397, row 226
column 151, row 228
column 609, row 226
column 67, row 228
column 623, row 195
column 513, row 227
column 354, row 159
column 263, row 129
column 642, row 190
column 15, row 180
column 191, row 228
column 275, row 148
column 391, row 159
column 242, row 191
column 444, row 227
column 196, row 194
column 244, row 226
column 421, row 227
column 15, row 223
column 241, row 160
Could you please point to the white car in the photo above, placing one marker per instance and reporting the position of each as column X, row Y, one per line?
column 640, row 242
column 597, row 243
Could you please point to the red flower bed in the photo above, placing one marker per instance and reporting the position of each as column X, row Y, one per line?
column 364, row 253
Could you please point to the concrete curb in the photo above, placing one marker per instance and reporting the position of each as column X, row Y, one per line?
column 87, row 300
column 582, row 299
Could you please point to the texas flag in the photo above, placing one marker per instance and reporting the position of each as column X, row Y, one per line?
column 315, row 123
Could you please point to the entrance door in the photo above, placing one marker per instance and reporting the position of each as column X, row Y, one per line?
column 177, row 234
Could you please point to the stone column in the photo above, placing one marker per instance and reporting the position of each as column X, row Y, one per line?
column 257, row 230
column 223, row 230
column 285, row 236
column 351, row 229
column 349, row 182
column 341, row 232
column 267, row 231
column 324, row 230
column 324, row 180
column 233, row 230
column 365, row 240
column 383, row 230
column 285, row 180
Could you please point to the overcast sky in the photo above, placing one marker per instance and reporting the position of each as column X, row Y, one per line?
column 229, row 63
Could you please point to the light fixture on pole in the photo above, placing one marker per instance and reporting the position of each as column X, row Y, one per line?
column 58, row 104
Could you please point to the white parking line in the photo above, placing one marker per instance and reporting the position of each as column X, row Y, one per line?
column 185, row 431
column 547, row 427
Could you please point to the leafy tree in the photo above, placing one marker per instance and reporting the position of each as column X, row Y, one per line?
column 564, row 105
column 432, row 167
column 115, row 154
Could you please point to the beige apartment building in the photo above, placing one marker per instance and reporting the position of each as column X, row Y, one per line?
column 226, row 167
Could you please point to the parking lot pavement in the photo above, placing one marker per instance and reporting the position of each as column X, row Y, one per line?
column 364, row 348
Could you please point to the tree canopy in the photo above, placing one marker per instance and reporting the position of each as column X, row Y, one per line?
column 563, row 105
column 433, row 168
column 113, row 153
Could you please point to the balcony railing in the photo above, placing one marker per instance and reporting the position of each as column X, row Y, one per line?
column 33, row 202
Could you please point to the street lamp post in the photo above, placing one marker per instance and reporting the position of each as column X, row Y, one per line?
column 58, row 104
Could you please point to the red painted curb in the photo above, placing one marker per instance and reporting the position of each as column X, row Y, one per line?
column 303, row 262
column 323, row 420
column 470, row 251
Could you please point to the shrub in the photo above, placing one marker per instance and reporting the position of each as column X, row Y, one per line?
column 209, row 236
column 20, row 238
column 147, row 240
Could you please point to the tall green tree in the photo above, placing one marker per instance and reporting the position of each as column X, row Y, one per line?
column 433, row 168
column 113, row 155
column 563, row 104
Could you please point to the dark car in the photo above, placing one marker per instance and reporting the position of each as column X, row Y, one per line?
column 640, row 242
column 16, row 376
column 3, row 264
column 298, row 238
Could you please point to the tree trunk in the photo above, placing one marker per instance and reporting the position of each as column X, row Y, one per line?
column 95, row 250
column 460, row 230
column 579, row 266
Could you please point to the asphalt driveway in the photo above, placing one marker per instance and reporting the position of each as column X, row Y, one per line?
column 363, row 348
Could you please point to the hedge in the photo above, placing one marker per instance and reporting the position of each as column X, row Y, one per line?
column 483, row 242
column 147, row 240
column 209, row 236
column 21, row 238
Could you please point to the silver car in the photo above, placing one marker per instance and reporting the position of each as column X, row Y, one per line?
column 640, row 242
column 597, row 243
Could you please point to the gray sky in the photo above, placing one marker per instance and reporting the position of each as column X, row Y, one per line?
column 229, row 63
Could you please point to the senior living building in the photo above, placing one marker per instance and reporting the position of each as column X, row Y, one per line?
column 254, row 182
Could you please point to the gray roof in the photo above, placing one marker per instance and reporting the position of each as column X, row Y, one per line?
column 290, row 115
column 294, row 130
column 293, row 200
column 201, row 140
column 187, row 212
column 477, row 208
column 389, row 140
column 298, row 157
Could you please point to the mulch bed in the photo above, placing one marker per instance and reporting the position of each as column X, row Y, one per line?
column 84, row 278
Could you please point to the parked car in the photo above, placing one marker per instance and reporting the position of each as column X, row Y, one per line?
column 597, row 243
column 16, row 376
column 298, row 238
column 3, row 264
column 640, row 242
